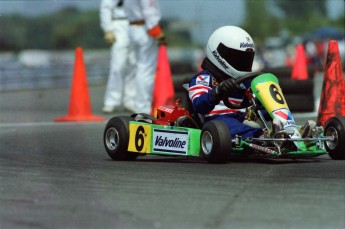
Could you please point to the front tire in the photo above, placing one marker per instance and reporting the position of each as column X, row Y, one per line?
column 116, row 138
column 215, row 142
column 335, row 127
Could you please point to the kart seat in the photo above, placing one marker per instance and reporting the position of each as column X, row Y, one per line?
column 197, row 117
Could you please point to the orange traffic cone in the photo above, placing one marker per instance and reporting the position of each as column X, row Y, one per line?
column 163, row 92
column 332, row 101
column 299, row 69
column 80, row 105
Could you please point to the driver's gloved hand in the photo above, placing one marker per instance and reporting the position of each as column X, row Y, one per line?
column 224, row 88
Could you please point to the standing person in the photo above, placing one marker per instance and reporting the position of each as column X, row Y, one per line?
column 145, row 35
column 119, row 91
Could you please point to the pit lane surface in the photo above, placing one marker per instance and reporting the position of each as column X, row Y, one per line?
column 59, row 176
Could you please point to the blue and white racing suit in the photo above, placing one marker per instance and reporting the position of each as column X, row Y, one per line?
column 200, row 90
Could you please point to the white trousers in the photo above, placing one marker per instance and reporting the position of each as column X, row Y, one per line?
column 146, row 51
column 121, row 81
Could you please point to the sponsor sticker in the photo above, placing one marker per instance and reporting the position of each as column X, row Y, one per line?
column 262, row 149
column 203, row 80
column 271, row 96
column 285, row 116
column 219, row 59
column 139, row 138
column 170, row 141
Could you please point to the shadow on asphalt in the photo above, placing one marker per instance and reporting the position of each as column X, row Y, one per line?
column 256, row 160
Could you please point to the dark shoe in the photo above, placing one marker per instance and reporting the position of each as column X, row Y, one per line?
column 306, row 130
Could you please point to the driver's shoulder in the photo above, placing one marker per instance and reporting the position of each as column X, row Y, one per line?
column 204, row 78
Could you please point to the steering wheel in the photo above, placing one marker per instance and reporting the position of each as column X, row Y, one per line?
column 246, row 102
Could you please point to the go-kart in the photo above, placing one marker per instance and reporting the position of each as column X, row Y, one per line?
column 175, row 131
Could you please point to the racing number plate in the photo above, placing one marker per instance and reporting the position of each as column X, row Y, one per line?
column 273, row 100
column 271, row 96
column 139, row 138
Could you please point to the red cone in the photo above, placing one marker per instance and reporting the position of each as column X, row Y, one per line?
column 299, row 69
column 332, row 101
column 80, row 105
column 163, row 92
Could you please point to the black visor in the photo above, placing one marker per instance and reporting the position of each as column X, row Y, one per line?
column 239, row 60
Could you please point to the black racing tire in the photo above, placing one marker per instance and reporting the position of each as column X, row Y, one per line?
column 116, row 138
column 179, row 80
column 297, row 87
column 280, row 72
column 300, row 103
column 215, row 142
column 335, row 127
column 181, row 67
column 285, row 71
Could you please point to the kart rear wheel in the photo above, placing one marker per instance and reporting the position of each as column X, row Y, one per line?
column 335, row 127
column 116, row 138
column 215, row 142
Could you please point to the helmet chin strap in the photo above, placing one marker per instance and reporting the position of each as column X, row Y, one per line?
column 218, row 74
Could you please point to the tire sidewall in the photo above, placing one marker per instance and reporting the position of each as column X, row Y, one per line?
column 121, row 125
column 221, row 139
column 338, row 123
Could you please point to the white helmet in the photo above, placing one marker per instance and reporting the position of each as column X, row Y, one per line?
column 231, row 49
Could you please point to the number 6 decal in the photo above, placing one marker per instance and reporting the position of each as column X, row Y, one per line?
column 139, row 138
column 275, row 93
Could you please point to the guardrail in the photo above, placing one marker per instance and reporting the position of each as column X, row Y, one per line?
column 31, row 69
column 16, row 73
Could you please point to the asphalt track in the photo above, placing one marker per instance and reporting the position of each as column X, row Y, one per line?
column 58, row 175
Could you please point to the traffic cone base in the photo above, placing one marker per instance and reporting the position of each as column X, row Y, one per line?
column 79, row 118
column 80, row 105
column 332, row 101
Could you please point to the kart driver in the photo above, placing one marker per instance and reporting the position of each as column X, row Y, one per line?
column 229, row 55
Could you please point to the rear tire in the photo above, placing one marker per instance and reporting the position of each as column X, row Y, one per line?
column 335, row 127
column 215, row 142
column 116, row 138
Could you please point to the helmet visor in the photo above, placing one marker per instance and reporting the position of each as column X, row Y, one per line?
column 239, row 60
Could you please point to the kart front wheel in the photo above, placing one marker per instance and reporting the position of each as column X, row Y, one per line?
column 335, row 127
column 215, row 142
column 116, row 138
